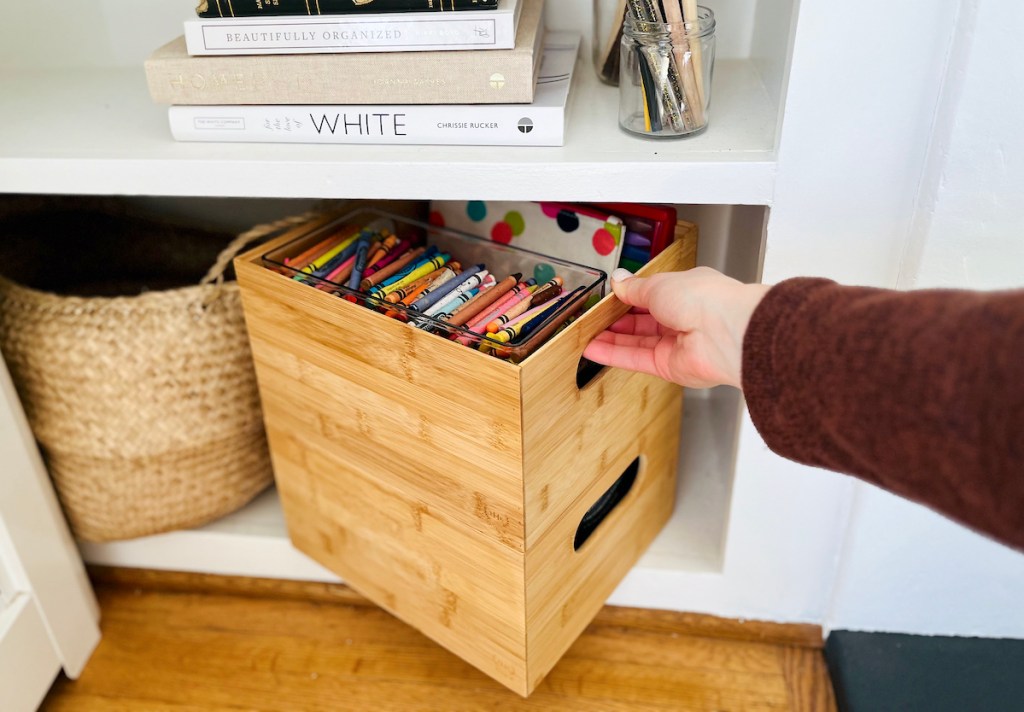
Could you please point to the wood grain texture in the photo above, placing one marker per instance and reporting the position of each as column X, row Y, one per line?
column 266, row 649
column 389, row 472
column 671, row 623
column 447, row 485
column 576, row 444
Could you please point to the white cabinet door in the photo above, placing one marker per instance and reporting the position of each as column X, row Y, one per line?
column 48, row 614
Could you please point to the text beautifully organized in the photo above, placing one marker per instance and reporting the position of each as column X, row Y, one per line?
column 325, row 36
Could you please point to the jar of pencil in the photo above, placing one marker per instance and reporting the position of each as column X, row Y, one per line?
column 666, row 65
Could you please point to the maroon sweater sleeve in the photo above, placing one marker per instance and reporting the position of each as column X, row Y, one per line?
column 919, row 392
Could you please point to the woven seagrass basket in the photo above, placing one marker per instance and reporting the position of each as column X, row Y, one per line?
column 137, row 382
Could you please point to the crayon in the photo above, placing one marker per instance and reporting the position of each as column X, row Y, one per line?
column 325, row 259
column 422, row 269
column 431, row 298
column 465, row 285
column 502, row 304
column 515, row 310
column 332, row 266
column 423, row 257
column 342, row 274
column 450, row 306
column 341, row 269
column 449, row 309
column 402, row 292
column 396, row 253
column 362, row 252
column 381, row 226
column 515, row 327
column 307, row 256
column 477, row 324
column 532, row 325
column 511, row 329
column 496, row 323
column 447, row 274
column 547, row 292
column 483, row 300
column 382, row 249
column 380, row 275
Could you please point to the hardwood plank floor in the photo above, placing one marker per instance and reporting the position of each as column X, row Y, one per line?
column 181, row 642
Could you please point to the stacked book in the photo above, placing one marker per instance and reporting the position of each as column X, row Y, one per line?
column 455, row 72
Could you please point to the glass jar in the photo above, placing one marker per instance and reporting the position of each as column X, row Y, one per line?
column 608, row 18
column 665, row 76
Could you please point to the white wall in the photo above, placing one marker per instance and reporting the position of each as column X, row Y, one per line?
column 904, row 568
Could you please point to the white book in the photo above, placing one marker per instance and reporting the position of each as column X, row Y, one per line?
column 370, row 32
column 541, row 123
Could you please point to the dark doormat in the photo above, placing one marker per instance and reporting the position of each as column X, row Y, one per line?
column 878, row 672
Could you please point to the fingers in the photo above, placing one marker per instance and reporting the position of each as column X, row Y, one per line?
column 642, row 324
column 633, row 358
column 634, row 291
column 647, row 342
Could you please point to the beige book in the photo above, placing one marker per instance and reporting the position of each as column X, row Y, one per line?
column 449, row 77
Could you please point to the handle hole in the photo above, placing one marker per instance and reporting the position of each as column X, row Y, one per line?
column 606, row 503
column 586, row 371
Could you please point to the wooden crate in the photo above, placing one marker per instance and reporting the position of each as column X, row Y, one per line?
column 449, row 486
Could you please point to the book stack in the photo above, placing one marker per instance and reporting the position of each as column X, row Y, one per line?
column 456, row 72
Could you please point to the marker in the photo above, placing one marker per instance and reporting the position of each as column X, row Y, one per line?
column 483, row 300
column 435, row 295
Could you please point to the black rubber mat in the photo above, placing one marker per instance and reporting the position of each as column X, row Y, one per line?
column 878, row 672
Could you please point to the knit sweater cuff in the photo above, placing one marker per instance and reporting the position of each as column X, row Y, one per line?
column 765, row 358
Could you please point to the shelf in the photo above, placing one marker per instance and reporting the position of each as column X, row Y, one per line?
column 97, row 132
column 254, row 541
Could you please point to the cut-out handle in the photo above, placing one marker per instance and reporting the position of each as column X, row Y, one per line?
column 606, row 503
column 586, row 372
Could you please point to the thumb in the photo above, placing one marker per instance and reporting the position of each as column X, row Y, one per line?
column 634, row 291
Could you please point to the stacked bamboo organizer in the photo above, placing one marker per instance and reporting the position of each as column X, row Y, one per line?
column 493, row 506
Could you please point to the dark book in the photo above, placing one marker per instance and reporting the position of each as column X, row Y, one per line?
column 266, row 8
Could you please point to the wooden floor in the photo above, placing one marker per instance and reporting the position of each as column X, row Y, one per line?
column 181, row 642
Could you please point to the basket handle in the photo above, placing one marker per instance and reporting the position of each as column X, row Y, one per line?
column 215, row 275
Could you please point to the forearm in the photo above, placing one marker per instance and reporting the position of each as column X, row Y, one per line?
column 919, row 392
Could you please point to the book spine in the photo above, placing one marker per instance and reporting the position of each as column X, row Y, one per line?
column 346, row 34
column 262, row 8
column 496, row 125
column 370, row 79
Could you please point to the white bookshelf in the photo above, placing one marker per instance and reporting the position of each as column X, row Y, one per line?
column 96, row 131
column 79, row 121
column 752, row 535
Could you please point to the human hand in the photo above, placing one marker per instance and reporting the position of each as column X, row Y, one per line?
column 685, row 327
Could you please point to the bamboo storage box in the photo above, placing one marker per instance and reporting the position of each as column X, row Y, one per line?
column 494, row 506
